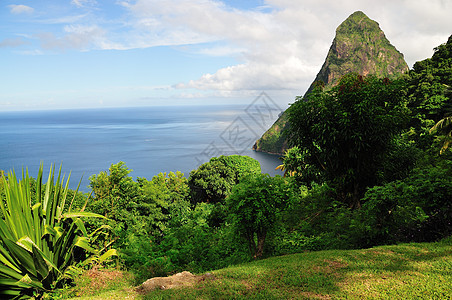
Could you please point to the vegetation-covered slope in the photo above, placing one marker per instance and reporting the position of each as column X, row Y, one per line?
column 360, row 46
column 406, row 271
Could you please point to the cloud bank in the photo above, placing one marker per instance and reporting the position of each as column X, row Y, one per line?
column 279, row 45
column 284, row 46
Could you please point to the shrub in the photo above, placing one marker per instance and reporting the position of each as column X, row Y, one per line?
column 213, row 181
column 418, row 208
column 39, row 242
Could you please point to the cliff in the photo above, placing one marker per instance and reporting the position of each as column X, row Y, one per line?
column 359, row 46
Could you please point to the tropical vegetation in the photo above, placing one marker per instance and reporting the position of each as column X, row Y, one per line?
column 370, row 165
column 41, row 245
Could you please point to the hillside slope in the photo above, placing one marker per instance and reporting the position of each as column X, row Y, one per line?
column 406, row 271
column 359, row 46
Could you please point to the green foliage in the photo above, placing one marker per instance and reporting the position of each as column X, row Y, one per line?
column 406, row 271
column 401, row 156
column 114, row 193
column 40, row 243
column 187, row 243
column 166, row 188
column 431, row 81
column 213, row 181
column 160, row 232
column 255, row 205
column 243, row 165
column 135, row 208
column 316, row 221
column 417, row 208
column 444, row 127
column 346, row 132
column 142, row 214
column 295, row 164
column 117, row 197
column 430, row 92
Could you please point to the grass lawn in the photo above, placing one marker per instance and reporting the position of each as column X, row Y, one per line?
column 405, row 271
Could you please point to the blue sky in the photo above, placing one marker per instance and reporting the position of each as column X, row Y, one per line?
column 93, row 53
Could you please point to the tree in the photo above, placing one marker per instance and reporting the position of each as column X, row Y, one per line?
column 163, row 191
column 430, row 92
column 255, row 205
column 166, row 188
column 345, row 132
column 115, row 194
column 295, row 165
column 444, row 127
column 131, row 207
column 213, row 181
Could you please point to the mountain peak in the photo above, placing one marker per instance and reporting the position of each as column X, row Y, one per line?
column 357, row 22
column 357, row 15
column 360, row 46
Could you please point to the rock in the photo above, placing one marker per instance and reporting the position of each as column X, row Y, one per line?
column 182, row 279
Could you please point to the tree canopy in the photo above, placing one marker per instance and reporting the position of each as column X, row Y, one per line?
column 213, row 181
column 345, row 133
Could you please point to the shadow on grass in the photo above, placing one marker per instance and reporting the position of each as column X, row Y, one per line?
column 397, row 272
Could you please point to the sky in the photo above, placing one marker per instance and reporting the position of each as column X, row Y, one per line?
column 69, row 54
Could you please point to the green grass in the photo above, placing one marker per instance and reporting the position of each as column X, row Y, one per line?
column 406, row 271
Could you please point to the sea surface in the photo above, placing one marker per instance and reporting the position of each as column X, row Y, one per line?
column 149, row 140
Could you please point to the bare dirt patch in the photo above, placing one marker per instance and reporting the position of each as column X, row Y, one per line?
column 335, row 264
column 101, row 279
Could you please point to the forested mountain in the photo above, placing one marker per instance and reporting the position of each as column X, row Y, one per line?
column 360, row 46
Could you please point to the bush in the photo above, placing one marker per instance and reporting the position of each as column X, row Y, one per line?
column 416, row 209
column 316, row 221
column 40, row 243
column 213, row 181
column 188, row 243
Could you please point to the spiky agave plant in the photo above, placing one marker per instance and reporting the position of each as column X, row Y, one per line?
column 37, row 238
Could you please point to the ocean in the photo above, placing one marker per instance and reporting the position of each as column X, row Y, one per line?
column 149, row 140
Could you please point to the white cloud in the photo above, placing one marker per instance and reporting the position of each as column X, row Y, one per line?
column 222, row 51
column 64, row 19
column 284, row 48
column 12, row 42
column 83, row 3
column 76, row 37
column 20, row 9
column 280, row 45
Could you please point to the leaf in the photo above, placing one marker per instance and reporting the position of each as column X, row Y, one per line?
column 82, row 214
column 27, row 281
column 22, row 256
column 8, row 272
column 41, row 265
column 107, row 255
column 83, row 243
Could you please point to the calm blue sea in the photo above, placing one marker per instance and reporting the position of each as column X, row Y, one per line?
column 149, row 140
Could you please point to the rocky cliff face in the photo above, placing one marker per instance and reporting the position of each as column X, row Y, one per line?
column 359, row 46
